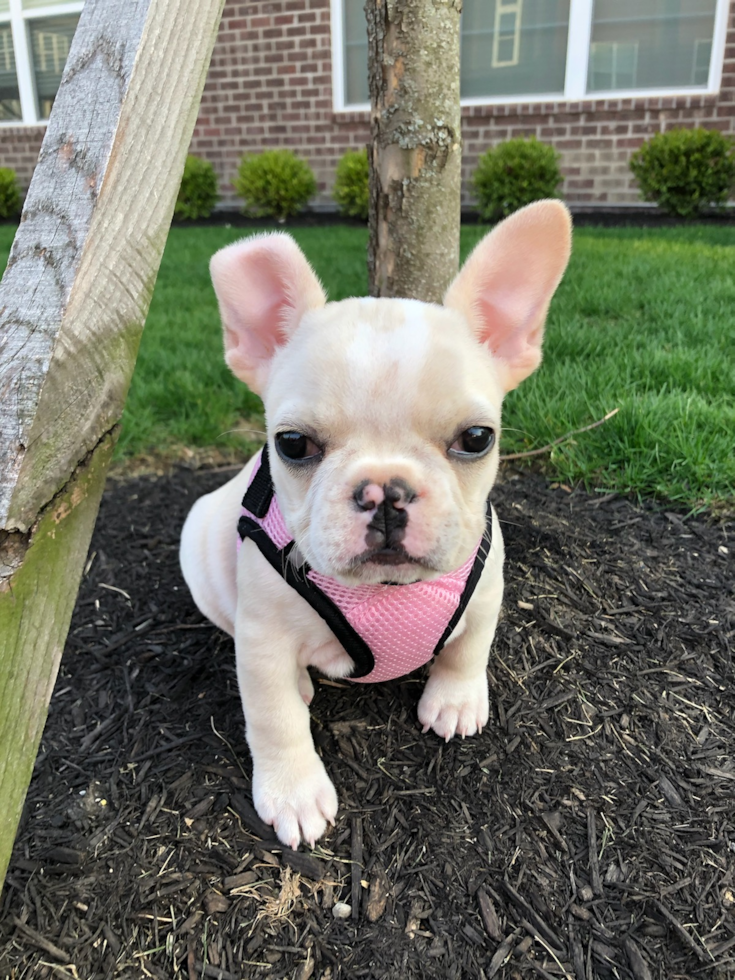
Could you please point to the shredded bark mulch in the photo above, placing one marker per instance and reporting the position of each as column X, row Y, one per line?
column 588, row 833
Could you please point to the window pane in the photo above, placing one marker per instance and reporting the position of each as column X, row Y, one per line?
column 640, row 44
column 356, row 54
column 513, row 47
column 9, row 97
column 702, row 57
column 4, row 6
column 508, row 47
column 50, row 43
column 31, row 4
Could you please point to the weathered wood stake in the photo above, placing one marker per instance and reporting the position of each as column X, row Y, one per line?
column 73, row 302
column 413, row 59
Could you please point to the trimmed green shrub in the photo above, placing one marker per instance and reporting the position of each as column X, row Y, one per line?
column 351, row 184
column 198, row 191
column 514, row 174
column 685, row 170
column 275, row 183
column 9, row 193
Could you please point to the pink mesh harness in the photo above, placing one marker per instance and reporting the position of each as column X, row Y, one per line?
column 388, row 630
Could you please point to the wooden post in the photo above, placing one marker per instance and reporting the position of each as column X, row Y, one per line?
column 416, row 154
column 73, row 302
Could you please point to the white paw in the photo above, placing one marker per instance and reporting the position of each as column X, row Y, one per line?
column 295, row 796
column 453, row 706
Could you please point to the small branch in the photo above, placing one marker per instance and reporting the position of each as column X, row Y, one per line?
column 550, row 445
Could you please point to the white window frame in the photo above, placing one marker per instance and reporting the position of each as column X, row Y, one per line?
column 505, row 8
column 575, row 81
column 18, row 19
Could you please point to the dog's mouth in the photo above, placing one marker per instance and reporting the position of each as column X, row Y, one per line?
column 389, row 556
column 384, row 556
column 393, row 557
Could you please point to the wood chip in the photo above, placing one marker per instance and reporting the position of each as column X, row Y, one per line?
column 214, row 903
column 592, row 852
column 489, row 915
column 378, row 892
column 501, row 954
column 356, row 865
column 637, row 964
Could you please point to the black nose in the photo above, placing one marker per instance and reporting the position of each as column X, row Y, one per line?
column 387, row 527
column 398, row 493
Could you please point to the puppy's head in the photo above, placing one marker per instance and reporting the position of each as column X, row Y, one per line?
column 383, row 415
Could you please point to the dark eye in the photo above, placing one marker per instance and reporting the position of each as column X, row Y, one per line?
column 295, row 446
column 475, row 441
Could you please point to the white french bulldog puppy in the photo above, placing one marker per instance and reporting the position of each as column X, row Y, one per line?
column 361, row 541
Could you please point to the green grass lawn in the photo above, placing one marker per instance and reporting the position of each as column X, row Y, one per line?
column 643, row 322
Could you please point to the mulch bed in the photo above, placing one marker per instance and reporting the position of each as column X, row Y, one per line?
column 588, row 833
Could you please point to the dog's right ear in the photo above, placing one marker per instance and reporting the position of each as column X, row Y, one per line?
column 264, row 286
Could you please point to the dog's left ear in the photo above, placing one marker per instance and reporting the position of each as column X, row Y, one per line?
column 505, row 286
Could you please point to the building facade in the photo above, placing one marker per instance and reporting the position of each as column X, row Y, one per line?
column 594, row 78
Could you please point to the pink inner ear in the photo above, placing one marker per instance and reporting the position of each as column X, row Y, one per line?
column 263, row 327
column 507, row 283
column 507, row 320
column 258, row 324
column 264, row 285
column 512, row 327
column 262, row 307
column 247, row 348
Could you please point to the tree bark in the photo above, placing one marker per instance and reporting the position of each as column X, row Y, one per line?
column 416, row 152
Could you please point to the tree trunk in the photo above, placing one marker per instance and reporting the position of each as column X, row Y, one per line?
column 415, row 159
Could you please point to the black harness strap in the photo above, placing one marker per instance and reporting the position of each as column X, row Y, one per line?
column 258, row 499
column 332, row 615
column 472, row 579
column 259, row 494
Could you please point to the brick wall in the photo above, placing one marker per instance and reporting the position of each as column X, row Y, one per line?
column 596, row 139
column 19, row 146
column 270, row 85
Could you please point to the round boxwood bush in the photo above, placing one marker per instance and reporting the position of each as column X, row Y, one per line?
column 513, row 174
column 351, row 184
column 275, row 184
column 685, row 170
column 198, row 191
column 9, row 193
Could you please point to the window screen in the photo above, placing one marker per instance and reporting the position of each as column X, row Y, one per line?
column 9, row 96
column 508, row 47
column 513, row 47
column 33, row 4
column 50, row 43
column 640, row 44
column 355, row 53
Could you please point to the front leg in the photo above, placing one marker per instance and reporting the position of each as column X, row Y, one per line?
column 291, row 789
column 455, row 700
